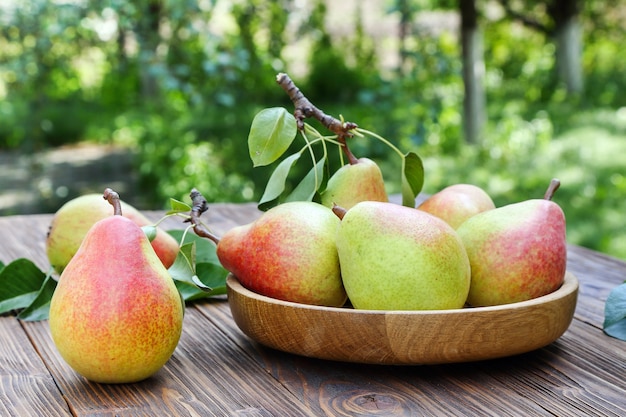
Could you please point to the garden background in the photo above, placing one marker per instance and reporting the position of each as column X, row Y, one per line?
column 156, row 97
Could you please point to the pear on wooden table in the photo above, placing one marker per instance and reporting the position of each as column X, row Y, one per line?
column 116, row 315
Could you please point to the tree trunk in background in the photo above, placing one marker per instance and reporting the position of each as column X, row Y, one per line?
column 567, row 36
column 406, row 16
column 149, row 37
column 474, row 113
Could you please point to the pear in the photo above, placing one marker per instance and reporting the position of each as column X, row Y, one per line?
column 397, row 258
column 116, row 315
column 517, row 252
column 457, row 203
column 288, row 253
column 72, row 221
column 355, row 182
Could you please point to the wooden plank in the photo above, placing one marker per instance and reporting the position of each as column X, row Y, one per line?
column 26, row 239
column 26, row 386
column 336, row 388
column 555, row 380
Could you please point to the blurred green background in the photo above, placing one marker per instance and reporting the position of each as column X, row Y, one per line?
column 156, row 97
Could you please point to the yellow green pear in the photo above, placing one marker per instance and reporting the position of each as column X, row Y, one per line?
column 116, row 315
column 358, row 181
column 394, row 257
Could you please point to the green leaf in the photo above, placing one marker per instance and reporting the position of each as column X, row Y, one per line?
column 272, row 132
column 307, row 188
column 189, row 292
column 178, row 207
column 184, row 266
column 412, row 178
column 20, row 282
column 205, row 248
column 276, row 184
column 197, row 271
column 39, row 309
column 150, row 231
column 615, row 313
column 211, row 276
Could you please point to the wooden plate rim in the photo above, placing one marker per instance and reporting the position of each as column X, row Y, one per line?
column 570, row 285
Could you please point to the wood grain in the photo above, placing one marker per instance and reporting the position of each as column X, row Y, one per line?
column 26, row 386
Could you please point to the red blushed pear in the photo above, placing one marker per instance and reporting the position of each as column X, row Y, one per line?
column 289, row 253
column 458, row 202
column 116, row 315
column 517, row 252
column 72, row 221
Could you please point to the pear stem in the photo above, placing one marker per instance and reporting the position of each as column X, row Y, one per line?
column 114, row 199
column 554, row 185
column 198, row 206
column 339, row 211
column 304, row 108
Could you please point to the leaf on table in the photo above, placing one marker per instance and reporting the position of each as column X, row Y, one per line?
column 271, row 133
column 615, row 313
column 205, row 248
column 412, row 178
column 196, row 271
column 184, row 266
column 20, row 282
column 208, row 276
column 276, row 184
column 39, row 309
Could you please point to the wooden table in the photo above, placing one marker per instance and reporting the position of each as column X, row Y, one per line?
column 216, row 370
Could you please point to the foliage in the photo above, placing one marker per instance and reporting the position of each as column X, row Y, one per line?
column 183, row 97
column 272, row 132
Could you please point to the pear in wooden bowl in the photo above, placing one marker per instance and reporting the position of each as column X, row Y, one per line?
column 404, row 337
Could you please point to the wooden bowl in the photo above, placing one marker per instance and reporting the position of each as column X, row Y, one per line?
column 404, row 337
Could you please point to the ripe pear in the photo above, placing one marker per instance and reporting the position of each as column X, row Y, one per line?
column 397, row 258
column 359, row 181
column 116, row 315
column 457, row 203
column 72, row 221
column 288, row 253
column 517, row 252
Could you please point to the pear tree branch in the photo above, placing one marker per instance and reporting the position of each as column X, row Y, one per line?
column 305, row 109
column 198, row 206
